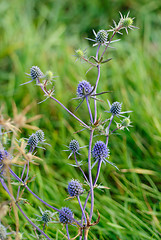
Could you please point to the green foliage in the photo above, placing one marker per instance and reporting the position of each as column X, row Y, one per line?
column 45, row 34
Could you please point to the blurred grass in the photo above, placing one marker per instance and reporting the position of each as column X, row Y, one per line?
column 45, row 33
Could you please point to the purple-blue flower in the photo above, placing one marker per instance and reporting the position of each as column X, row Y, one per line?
column 63, row 218
column 84, row 89
column 75, row 188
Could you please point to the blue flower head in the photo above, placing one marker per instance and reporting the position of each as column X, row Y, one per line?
column 75, row 188
column 40, row 135
column 35, row 73
column 33, row 140
column 100, row 152
column 74, row 146
column 84, row 89
column 46, row 216
column 63, row 218
column 115, row 109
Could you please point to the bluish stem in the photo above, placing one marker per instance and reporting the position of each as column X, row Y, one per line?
column 98, row 77
column 16, row 203
column 108, row 44
column 67, row 231
column 18, row 179
column 90, row 173
column 64, row 107
column 98, row 172
column 89, row 109
column 18, row 192
column 80, row 168
column 24, row 168
column 83, row 213
column 108, row 129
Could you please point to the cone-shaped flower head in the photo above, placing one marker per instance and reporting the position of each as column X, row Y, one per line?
column 3, row 232
column 74, row 145
column 84, row 88
column 35, row 73
column 116, row 108
column 33, row 140
column 101, row 37
column 46, row 216
column 75, row 188
column 100, row 151
column 40, row 135
column 63, row 218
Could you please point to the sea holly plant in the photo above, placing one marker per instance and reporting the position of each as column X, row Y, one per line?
column 98, row 151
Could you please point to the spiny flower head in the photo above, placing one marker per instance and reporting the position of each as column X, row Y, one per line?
column 74, row 146
column 75, row 188
column 3, row 232
column 84, row 88
column 124, row 23
column 40, row 135
column 63, row 218
column 101, row 37
column 46, row 216
column 100, row 151
column 126, row 122
column 35, row 73
column 33, row 140
column 116, row 108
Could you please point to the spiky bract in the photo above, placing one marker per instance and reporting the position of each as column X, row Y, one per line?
column 84, row 88
column 63, row 218
column 75, row 188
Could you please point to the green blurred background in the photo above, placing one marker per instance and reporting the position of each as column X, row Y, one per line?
column 46, row 33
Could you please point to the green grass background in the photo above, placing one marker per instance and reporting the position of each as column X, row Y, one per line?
column 46, row 33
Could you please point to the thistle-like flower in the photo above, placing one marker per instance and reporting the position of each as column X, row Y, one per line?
column 46, row 216
column 73, row 147
column 33, row 140
column 40, row 135
column 100, row 152
column 64, row 219
column 35, row 74
column 115, row 109
column 124, row 23
column 84, row 89
column 101, row 38
column 125, row 123
column 79, row 54
column 75, row 188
